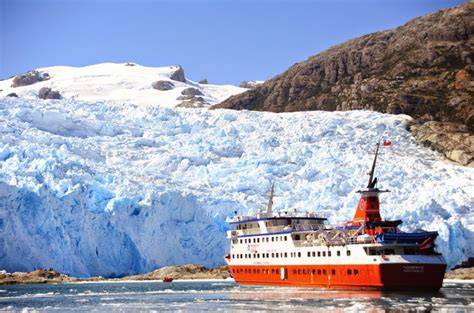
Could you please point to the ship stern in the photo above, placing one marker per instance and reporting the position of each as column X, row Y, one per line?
column 412, row 276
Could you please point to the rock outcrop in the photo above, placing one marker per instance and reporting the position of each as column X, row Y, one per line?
column 48, row 93
column 50, row 276
column 191, row 92
column 29, row 78
column 251, row 84
column 452, row 139
column 178, row 75
column 162, row 85
column 12, row 94
column 423, row 68
column 190, row 271
column 192, row 99
column 40, row 276
column 193, row 102
column 461, row 273
column 203, row 81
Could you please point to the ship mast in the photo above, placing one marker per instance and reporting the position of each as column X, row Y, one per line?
column 372, row 181
column 270, row 200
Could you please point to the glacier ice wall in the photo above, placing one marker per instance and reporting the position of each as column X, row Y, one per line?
column 102, row 189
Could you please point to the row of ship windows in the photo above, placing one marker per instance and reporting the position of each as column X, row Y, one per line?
column 264, row 239
column 297, row 271
column 285, row 254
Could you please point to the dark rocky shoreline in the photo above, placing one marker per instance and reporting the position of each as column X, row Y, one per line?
column 50, row 276
column 191, row 271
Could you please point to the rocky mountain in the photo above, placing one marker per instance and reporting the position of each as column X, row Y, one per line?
column 423, row 68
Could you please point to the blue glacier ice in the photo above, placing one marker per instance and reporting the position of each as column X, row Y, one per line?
column 97, row 188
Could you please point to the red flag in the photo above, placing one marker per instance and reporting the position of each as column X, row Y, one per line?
column 387, row 143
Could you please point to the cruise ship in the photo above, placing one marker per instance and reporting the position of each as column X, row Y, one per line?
column 291, row 249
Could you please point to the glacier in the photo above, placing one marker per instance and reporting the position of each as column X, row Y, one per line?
column 98, row 188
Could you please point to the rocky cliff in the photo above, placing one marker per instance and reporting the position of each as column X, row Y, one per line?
column 423, row 68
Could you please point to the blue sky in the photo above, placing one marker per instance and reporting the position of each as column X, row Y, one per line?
column 223, row 41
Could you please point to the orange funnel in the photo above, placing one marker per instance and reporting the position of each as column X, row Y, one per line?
column 368, row 209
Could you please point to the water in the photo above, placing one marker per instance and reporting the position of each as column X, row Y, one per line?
column 224, row 296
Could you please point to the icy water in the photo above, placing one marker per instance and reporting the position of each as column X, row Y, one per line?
column 224, row 296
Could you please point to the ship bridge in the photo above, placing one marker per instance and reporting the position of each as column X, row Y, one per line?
column 275, row 224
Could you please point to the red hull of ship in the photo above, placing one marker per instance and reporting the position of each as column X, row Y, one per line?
column 421, row 277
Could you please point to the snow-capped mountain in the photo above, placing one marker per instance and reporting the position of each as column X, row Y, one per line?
column 123, row 83
column 104, row 183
